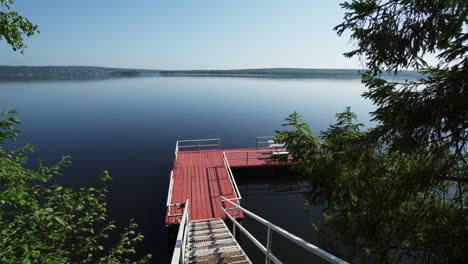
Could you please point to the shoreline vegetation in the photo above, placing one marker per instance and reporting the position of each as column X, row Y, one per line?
column 18, row 73
column 286, row 73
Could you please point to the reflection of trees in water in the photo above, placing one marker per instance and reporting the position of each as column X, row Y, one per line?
column 269, row 181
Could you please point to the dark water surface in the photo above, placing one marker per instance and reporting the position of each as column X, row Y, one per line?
column 130, row 126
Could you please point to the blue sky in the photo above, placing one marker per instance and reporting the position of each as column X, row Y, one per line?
column 182, row 34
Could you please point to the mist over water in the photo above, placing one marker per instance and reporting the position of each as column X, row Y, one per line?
column 129, row 126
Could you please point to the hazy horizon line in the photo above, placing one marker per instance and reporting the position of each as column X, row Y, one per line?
column 189, row 69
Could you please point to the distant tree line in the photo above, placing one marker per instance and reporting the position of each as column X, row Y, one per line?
column 286, row 72
column 68, row 72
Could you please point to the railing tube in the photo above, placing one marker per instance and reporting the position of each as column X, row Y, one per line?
column 197, row 144
column 231, row 176
column 179, row 249
column 169, row 193
column 184, row 241
column 195, row 140
column 233, row 225
column 268, row 247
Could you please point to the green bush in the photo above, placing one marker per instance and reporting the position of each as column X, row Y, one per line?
column 43, row 222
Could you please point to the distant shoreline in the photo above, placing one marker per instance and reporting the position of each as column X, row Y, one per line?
column 244, row 75
column 285, row 73
column 12, row 73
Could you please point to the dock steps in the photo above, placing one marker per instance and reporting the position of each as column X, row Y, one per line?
column 211, row 242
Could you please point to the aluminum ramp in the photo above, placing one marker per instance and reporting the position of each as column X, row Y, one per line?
column 211, row 242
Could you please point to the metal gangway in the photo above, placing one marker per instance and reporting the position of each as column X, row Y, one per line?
column 210, row 241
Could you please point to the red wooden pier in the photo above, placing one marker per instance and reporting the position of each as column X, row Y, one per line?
column 204, row 175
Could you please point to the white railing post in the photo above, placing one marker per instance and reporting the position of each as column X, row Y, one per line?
column 268, row 246
column 169, row 193
column 268, row 138
column 221, row 206
column 233, row 224
column 184, row 241
column 198, row 143
column 179, row 250
column 231, row 176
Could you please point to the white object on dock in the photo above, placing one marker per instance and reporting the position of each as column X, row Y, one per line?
column 280, row 153
column 276, row 145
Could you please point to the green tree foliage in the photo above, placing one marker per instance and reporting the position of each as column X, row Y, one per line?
column 43, row 222
column 396, row 192
column 13, row 27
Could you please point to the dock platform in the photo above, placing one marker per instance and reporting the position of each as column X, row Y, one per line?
column 204, row 175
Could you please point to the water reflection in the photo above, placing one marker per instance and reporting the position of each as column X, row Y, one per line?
column 276, row 194
column 129, row 126
column 268, row 181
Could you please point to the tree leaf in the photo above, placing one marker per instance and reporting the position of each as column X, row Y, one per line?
column 60, row 220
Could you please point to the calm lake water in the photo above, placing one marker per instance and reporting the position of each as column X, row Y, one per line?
column 130, row 126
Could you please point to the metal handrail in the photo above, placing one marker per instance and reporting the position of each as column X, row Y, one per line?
column 169, row 193
column 251, row 151
column 231, row 176
column 176, row 149
column 179, row 250
column 271, row 227
column 169, row 203
column 194, row 146
column 179, row 146
column 204, row 139
column 262, row 142
column 255, row 157
column 257, row 150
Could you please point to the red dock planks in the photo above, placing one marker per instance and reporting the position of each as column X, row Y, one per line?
column 201, row 177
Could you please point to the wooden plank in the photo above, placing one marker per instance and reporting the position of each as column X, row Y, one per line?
column 204, row 212
column 185, row 191
column 188, row 189
column 208, row 212
column 202, row 194
column 194, row 192
column 215, row 191
column 198, row 195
